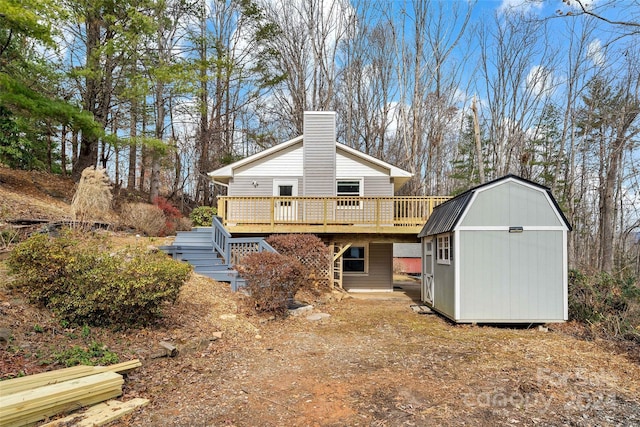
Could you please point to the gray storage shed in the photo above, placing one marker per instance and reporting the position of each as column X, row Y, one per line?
column 497, row 254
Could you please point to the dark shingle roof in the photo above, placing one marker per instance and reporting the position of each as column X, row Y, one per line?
column 444, row 217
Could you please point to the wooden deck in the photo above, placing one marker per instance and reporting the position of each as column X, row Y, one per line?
column 353, row 215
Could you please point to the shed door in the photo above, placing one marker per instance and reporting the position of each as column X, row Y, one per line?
column 285, row 209
column 427, row 271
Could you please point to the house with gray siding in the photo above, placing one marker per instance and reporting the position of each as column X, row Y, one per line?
column 314, row 184
column 497, row 254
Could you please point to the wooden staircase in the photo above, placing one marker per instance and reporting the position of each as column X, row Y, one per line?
column 213, row 252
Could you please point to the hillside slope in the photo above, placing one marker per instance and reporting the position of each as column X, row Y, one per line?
column 34, row 195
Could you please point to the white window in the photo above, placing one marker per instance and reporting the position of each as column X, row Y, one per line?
column 443, row 249
column 354, row 260
column 350, row 189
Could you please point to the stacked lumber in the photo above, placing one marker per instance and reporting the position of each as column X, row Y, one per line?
column 29, row 399
column 100, row 414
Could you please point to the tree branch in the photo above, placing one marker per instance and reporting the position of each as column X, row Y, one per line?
column 607, row 20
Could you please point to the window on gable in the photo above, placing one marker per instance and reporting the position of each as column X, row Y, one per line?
column 349, row 189
column 354, row 260
column 443, row 249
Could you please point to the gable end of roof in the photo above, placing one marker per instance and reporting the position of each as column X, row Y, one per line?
column 445, row 217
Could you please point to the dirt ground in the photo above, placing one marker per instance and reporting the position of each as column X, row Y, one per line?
column 371, row 362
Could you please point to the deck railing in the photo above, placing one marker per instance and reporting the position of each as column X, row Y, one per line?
column 326, row 214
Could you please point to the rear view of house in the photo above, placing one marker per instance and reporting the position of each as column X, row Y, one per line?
column 497, row 254
column 313, row 184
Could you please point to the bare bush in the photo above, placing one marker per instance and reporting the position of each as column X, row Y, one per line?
column 312, row 253
column 183, row 224
column 92, row 200
column 143, row 217
column 272, row 281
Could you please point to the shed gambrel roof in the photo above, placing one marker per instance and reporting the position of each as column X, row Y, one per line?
column 446, row 216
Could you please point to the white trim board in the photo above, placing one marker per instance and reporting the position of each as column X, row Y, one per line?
column 506, row 227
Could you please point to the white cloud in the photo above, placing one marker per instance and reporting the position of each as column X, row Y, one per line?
column 541, row 81
column 521, row 6
column 595, row 52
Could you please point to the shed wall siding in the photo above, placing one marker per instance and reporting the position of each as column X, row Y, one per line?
column 243, row 185
column 287, row 162
column 380, row 276
column 444, row 286
column 511, row 204
column 319, row 154
column 511, row 276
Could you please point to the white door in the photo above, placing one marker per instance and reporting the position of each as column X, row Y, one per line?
column 427, row 271
column 285, row 209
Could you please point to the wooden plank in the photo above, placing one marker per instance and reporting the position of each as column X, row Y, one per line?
column 121, row 368
column 71, row 401
column 31, row 418
column 15, row 385
column 46, row 401
column 100, row 414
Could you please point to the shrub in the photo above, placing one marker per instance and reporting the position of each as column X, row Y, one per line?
column 272, row 281
column 183, row 224
column 92, row 199
column 171, row 215
column 202, row 216
column 83, row 281
column 93, row 354
column 611, row 307
column 311, row 252
column 143, row 217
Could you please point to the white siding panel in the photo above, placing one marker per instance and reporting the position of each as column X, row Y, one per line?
column 348, row 166
column 378, row 186
column 319, row 154
column 286, row 163
column 244, row 185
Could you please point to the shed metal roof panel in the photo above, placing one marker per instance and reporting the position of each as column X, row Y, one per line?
column 445, row 216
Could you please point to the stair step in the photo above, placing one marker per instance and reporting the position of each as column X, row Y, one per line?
column 190, row 241
column 201, row 230
column 205, row 269
column 204, row 262
column 187, row 247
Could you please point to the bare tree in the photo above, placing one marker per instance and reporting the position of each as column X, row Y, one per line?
column 516, row 68
column 429, row 79
column 310, row 32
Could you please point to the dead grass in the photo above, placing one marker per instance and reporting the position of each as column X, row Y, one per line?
column 92, row 199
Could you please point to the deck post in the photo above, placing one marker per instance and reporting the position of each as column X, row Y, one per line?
column 325, row 212
column 272, row 211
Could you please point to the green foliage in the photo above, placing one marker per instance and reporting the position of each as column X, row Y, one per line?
column 83, row 281
column 93, row 354
column 202, row 216
column 610, row 306
column 272, row 281
column 465, row 171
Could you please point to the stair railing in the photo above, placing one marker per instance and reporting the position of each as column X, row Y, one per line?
column 233, row 249
column 220, row 239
